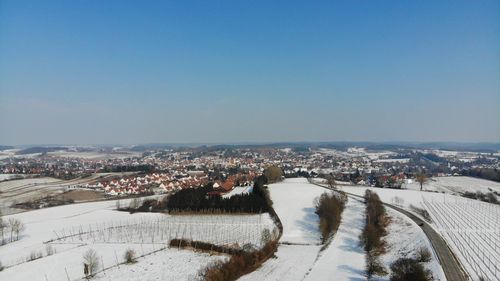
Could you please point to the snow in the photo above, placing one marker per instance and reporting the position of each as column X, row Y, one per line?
column 344, row 257
column 292, row 263
column 472, row 230
column 454, row 185
column 23, row 190
column 238, row 190
column 11, row 176
column 95, row 155
column 293, row 200
column 170, row 264
column 301, row 259
column 470, row 227
column 404, row 238
column 387, row 195
column 48, row 224
column 395, row 160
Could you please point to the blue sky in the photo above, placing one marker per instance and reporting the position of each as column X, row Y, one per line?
column 84, row 72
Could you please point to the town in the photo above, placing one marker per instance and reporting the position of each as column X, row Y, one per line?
column 159, row 171
column 232, row 203
column 249, row 140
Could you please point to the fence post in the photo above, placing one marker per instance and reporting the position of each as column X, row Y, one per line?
column 102, row 263
column 67, row 275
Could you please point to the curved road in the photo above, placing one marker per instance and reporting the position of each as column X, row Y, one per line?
column 451, row 266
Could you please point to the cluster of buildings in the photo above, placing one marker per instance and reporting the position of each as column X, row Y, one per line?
column 167, row 170
column 161, row 183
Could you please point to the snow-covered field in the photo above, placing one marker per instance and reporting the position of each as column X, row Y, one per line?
column 344, row 258
column 293, row 200
column 298, row 259
column 294, row 203
column 401, row 197
column 404, row 239
column 292, row 263
column 166, row 265
column 456, row 185
column 45, row 226
column 395, row 160
column 470, row 227
column 226, row 230
column 23, row 190
column 11, row 176
column 95, row 155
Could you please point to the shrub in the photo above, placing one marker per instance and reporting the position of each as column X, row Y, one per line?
column 421, row 212
column 34, row 255
column 266, row 236
column 491, row 198
column 91, row 261
column 1, row 266
column 329, row 208
column 49, row 250
column 374, row 266
column 129, row 256
column 273, row 173
column 405, row 269
column 134, row 204
column 423, row 255
column 16, row 228
column 376, row 221
column 374, row 230
column 239, row 264
column 3, row 229
column 371, row 238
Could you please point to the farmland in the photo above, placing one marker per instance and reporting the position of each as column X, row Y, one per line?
column 24, row 190
column 300, row 255
column 300, row 242
column 457, row 185
column 72, row 229
column 472, row 229
column 56, row 238
column 469, row 227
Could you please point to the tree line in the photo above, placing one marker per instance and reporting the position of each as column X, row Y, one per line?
column 371, row 236
column 483, row 173
column 209, row 200
column 10, row 229
column 329, row 208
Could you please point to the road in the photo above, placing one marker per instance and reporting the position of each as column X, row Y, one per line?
column 451, row 266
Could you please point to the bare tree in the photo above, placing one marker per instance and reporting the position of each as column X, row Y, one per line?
column 265, row 236
column 3, row 226
column 129, row 256
column 16, row 227
column 421, row 178
column 91, row 262
column 135, row 203
column 330, row 180
column 49, row 250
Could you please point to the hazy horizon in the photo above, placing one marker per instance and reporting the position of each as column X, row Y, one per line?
column 130, row 72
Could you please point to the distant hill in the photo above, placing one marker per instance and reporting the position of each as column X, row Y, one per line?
column 39, row 149
column 5, row 147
